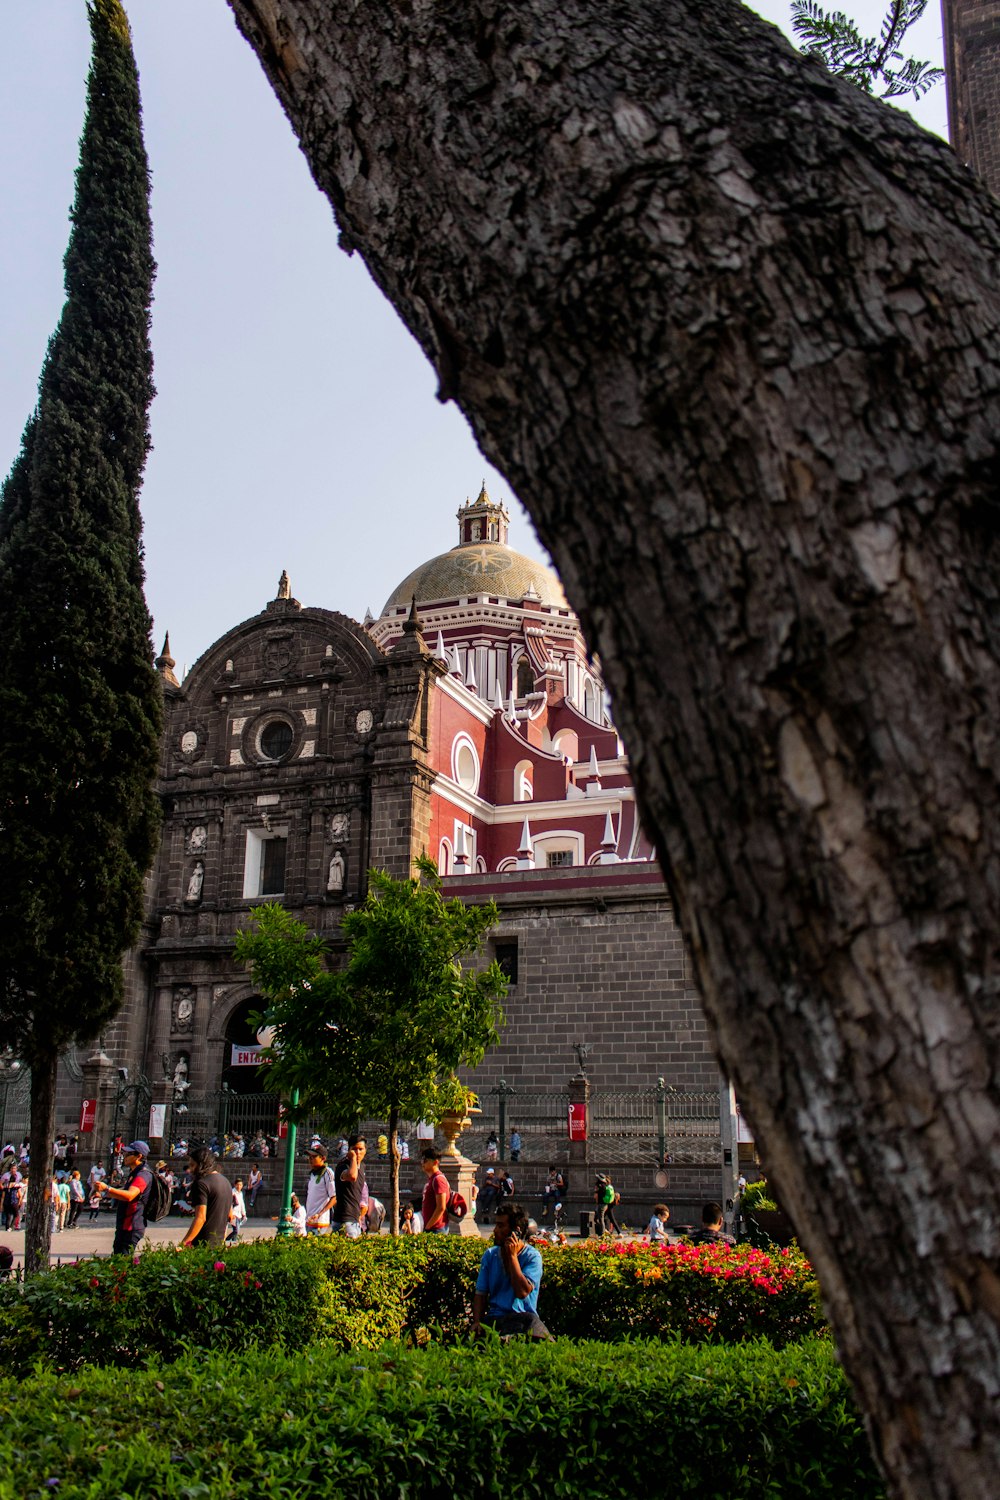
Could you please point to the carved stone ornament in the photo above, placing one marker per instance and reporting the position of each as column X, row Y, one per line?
column 363, row 723
column 195, row 883
column 183, row 1016
column 219, row 991
column 340, row 827
column 198, row 839
column 191, row 744
column 279, row 653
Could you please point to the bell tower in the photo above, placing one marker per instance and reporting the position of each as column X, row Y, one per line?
column 481, row 520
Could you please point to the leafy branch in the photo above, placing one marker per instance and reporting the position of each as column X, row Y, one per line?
column 874, row 64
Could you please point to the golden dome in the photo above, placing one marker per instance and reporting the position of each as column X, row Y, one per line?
column 477, row 568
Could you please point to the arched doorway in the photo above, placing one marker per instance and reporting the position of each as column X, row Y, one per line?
column 248, row 1115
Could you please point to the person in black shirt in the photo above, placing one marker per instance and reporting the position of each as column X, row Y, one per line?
column 349, row 1176
column 712, row 1230
column 211, row 1197
column 130, row 1223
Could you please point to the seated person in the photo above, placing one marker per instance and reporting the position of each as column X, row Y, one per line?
column 711, row 1231
column 510, row 1273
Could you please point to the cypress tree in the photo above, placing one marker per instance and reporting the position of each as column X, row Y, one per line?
column 80, row 706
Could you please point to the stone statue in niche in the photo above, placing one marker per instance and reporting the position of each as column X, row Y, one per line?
column 181, row 1081
column 335, row 878
column 195, row 883
column 198, row 840
column 183, row 1010
column 340, row 825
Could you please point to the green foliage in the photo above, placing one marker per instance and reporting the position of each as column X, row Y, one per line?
column 387, row 1032
column 756, row 1195
column 384, row 1036
column 874, row 64
column 515, row 1420
column 356, row 1294
column 80, row 703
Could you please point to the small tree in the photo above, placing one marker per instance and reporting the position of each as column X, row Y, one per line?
column 875, row 64
column 384, row 1036
column 80, row 705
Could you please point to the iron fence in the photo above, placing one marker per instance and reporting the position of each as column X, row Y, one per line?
column 649, row 1126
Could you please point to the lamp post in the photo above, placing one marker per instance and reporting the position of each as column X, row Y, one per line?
column 266, row 1036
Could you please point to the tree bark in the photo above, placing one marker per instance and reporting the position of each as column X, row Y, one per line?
column 732, row 330
column 42, row 1131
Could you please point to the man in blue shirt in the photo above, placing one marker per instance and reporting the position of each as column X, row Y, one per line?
column 510, row 1273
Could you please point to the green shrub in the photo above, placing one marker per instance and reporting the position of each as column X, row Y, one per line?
column 356, row 1294
column 756, row 1195
column 516, row 1420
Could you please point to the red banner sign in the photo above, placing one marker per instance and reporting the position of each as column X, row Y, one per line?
column 88, row 1116
column 578, row 1121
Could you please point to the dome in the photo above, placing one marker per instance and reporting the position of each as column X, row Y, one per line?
column 478, row 568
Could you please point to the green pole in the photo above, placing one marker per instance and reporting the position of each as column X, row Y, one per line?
column 285, row 1218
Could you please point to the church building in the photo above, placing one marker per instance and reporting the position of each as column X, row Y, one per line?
column 468, row 722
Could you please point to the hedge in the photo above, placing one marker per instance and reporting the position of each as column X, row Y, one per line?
column 356, row 1294
column 518, row 1420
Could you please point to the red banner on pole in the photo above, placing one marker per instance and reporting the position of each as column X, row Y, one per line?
column 88, row 1116
column 578, row 1121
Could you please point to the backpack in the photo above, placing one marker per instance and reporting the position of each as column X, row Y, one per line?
column 158, row 1199
column 456, row 1207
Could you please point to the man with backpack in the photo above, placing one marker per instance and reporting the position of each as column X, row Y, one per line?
column 131, row 1200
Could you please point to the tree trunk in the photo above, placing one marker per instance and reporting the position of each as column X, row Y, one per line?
column 732, row 329
column 393, row 1171
column 38, row 1221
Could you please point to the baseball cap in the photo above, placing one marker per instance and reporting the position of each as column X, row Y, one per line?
column 140, row 1148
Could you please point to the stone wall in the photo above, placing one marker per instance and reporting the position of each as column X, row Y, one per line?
column 972, row 66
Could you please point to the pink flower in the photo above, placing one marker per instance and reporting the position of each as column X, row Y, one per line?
column 219, row 1265
column 94, row 1281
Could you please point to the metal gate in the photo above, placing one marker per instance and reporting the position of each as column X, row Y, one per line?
column 15, row 1102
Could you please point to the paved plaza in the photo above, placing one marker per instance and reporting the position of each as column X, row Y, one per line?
column 96, row 1238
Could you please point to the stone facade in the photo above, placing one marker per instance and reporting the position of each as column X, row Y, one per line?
column 972, row 74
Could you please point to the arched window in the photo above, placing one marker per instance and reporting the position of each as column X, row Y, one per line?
column 445, row 857
column 523, row 788
column 567, row 744
column 591, row 702
column 525, row 678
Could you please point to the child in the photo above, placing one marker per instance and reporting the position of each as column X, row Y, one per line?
column 657, row 1226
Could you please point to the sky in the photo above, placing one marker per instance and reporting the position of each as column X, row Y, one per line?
column 296, row 424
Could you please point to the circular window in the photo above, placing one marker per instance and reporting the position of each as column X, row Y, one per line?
column 276, row 739
column 465, row 763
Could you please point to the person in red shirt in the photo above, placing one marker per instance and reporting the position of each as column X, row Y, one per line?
column 434, row 1206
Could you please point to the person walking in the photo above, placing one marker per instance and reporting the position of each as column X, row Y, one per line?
column 60, row 1198
column 130, row 1200
column 238, row 1214
column 350, row 1181
column 211, row 1197
column 605, row 1197
column 77, row 1197
column 321, row 1192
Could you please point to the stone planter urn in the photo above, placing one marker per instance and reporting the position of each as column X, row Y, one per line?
column 452, row 1124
